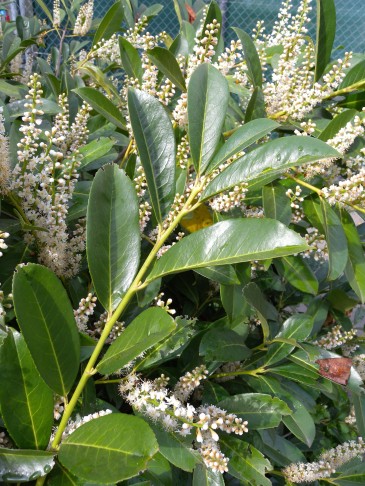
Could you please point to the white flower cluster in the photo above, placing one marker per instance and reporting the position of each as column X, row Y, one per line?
column 164, row 305
column 295, row 203
column 44, row 180
column 98, row 328
column 5, row 441
column 335, row 337
column 3, row 245
column 84, row 311
column 358, row 363
column 75, row 424
column 347, row 191
column 345, row 137
column 351, row 418
column 58, row 408
column 84, row 18
column 327, row 465
column 233, row 198
column 187, row 383
column 292, row 92
column 4, row 157
column 318, row 245
column 154, row 400
column 56, row 13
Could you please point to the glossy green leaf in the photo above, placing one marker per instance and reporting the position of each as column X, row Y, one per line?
column 159, row 471
column 166, row 62
column 109, row 449
column 208, row 96
column 336, row 124
column 95, row 150
column 20, row 466
column 146, row 330
column 276, row 203
column 204, row 476
column 176, row 449
column 355, row 76
column 282, row 451
column 297, row 327
column 326, row 30
column 60, row 476
column 301, row 424
column 252, row 59
column 355, row 267
column 27, row 407
column 131, row 61
column 224, row 274
column 242, row 138
column 245, row 462
column 296, row 271
column 231, row 241
column 296, row 373
column 264, row 164
column 156, row 146
column 113, row 234
column 102, row 105
column 224, row 345
column 256, row 106
column 260, row 410
column 257, row 300
column 358, row 400
column 110, row 24
column 213, row 392
column 46, row 318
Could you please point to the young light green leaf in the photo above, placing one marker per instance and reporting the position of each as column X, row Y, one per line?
column 156, row 146
column 102, row 105
column 242, row 138
column 260, row 410
column 110, row 24
column 231, row 241
column 245, row 462
column 131, row 61
column 122, row 442
column 146, row 330
column 112, row 234
column 264, row 164
column 26, row 401
column 297, row 327
column 208, row 97
column 355, row 267
column 95, row 150
column 252, row 59
column 326, row 30
column 21, row 466
column 46, row 318
column 166, row 62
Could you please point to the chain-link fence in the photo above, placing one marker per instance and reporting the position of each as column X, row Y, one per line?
column 246, row 13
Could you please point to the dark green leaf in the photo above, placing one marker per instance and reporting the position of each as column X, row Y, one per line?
column 295, row 270
column 224, row 274
column 224, row 345
column 276, row 203
column 26, row 401
column 156, row 146
column 110, row 24
column 257, row 300
column 207, row 104
column 213, row 393
column 166, row 62
column 336, row 124
column 20, row 466
column 131, row 61
column 261, row 411
column 147, row 329
column 280, row 450
column 113, row 234
column 245, row 462
column 296, row 373
column 252, row 59
column 297, row 327
column 102, row 105
column 358, row 400
column 231, row 241
column 109, row 449
column 355, row 267
column 46, row 319
column 268, row 161
column 256, row 106
column 301, row 424
column 95, row 150
column 242, row 138
column 326, row 30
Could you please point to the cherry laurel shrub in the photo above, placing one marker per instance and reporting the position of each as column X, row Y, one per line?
column 182, row 266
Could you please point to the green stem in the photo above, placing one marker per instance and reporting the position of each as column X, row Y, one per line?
column 40, row 481
column 258, row 371
column 135, row 286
